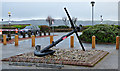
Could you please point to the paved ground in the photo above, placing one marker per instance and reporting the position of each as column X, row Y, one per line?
column 109, row 62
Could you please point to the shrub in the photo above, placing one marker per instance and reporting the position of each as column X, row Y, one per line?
column 14, row 26
column 61, row 27
column 44, row 28
column 104, row 33
column 63, row 30
column 85, row 27
column 117, row 26
column 20, row 26
column 8, row 27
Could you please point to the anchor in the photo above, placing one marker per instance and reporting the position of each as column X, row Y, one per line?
column 46, row 51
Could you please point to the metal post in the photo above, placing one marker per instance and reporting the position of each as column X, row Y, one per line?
column 101, row 19
column 92, row 12
column 2, row 23
column 92, row 15
column 9, row 15
column 9, row 34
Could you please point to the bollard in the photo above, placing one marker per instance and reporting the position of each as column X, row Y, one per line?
column 93, row 42
column 45, row 33
column 72, row 41
column 16, row 40
column 117, row 42
column 51, row 39
column 4, row 40
column 33, row 41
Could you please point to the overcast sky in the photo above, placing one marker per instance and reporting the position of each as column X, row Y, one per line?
column 58, row 0
column 35, row 9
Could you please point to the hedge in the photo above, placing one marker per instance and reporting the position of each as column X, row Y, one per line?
column 44, row 28
column 104, row 33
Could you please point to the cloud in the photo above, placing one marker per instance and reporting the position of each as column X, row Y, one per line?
column 81, row 10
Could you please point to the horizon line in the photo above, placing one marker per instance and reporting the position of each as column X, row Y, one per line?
column 14, row 19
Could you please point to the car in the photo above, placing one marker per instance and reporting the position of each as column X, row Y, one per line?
column 31, row 29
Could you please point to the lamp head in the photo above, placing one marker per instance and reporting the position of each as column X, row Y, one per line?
column 9, row 13
column 92, row 2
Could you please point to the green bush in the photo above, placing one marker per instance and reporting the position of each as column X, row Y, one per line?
column 104, row 33
column 8, row 27
column 63, row 30
column 85, row 27
column 20, row 26
column 117, row 26
column 14, row 26
column 61, row 27
column 6, row 32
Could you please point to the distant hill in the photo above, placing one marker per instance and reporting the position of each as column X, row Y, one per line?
column 58, row 22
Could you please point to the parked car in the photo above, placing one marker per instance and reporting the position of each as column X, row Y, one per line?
column 31, row 29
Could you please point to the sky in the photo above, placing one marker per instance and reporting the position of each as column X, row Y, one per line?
column 37, row 9
column 58, row 0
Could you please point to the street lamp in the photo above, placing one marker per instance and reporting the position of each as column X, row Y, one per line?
column 2, row 24
column 9, row 34
column 9, row 15
column 101, row 19
column 2, row 20
column 92, row 2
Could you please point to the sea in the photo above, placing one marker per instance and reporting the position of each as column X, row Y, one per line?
column 58, row 22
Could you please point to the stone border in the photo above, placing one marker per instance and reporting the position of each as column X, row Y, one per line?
column 90, row 63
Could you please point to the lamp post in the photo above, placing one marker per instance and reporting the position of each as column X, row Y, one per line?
column 9, row 15
column 101, row 19
column 2, row 20
column 92, row 2
column 2, row 23
column 9, row 34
